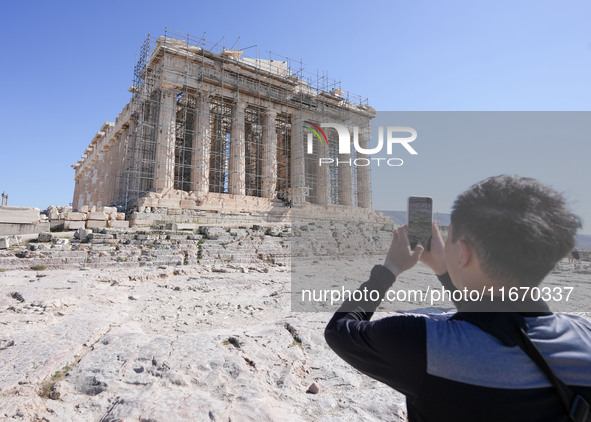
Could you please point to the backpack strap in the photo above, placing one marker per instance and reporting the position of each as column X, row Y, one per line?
column 511, row 329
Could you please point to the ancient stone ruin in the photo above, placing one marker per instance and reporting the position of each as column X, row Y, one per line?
column 211, row 134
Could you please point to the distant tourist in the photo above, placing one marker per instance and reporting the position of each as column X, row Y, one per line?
column 506, row 232
column 576, row 257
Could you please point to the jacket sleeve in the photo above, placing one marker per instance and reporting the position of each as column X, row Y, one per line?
column 391, row 350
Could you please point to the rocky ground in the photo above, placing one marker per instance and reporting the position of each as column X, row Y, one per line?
column 201, row 344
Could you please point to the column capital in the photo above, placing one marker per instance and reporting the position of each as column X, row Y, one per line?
column 240, row 104
column 168, row 87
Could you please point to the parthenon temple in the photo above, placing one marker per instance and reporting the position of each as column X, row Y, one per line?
column 209, row 131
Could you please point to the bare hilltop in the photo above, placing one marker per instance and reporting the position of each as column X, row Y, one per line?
column 215, row 341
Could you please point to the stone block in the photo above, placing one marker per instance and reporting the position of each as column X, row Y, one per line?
column 83, row 208
column 118, row 224
column 101, row 247
column 107, row 210
column 75, row 216
column 188, row 204
column 5, row 242
column 98, row 216
column 73, row 225
column 240, row 233
column 140, row 222
column 187, row 226
column 212, row 232
column 169, row 203
column 82, row 233
column 96, row 224
column 101, row 236
column 147, row 202
column 19, row 215
column 20, row 228
column 44, row 237
column 120, row 216
column 56, row 224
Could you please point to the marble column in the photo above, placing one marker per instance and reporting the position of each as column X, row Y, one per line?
column 100, row 184
column 111, row 175
column 345, row 178
column 97, row 188
column 322, row 176
column 236, row 178
column 165, row 140
column 121, row 162
column 136, row 167
column 202, row 148
column 75, row 201
column 127, row 152
column 363, row 172
column 100, row 174
column 298, row 166
column 269, row 170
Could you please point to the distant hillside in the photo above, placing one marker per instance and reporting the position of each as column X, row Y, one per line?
column 583, row 241
column 399, row 217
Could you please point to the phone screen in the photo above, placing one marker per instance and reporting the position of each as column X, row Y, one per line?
column 420, row 216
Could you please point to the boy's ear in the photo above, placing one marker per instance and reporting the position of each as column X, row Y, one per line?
column 466, row 253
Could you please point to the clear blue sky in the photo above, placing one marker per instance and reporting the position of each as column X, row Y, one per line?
column 67, row 65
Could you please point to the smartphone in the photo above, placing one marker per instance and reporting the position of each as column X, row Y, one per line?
column 420, row 216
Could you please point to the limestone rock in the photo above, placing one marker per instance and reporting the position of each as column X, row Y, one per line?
column 201, row 346
column 74, row 225
column 313, row 388
column 5, row 242
column 213, row 232
column 44, row 237
column 19, row 215
column 98, row 216
column 96, row 224
column 82, row 233
column 75, row 216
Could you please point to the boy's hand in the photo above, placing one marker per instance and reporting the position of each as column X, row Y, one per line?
column 400, row 258
column 435, row 257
